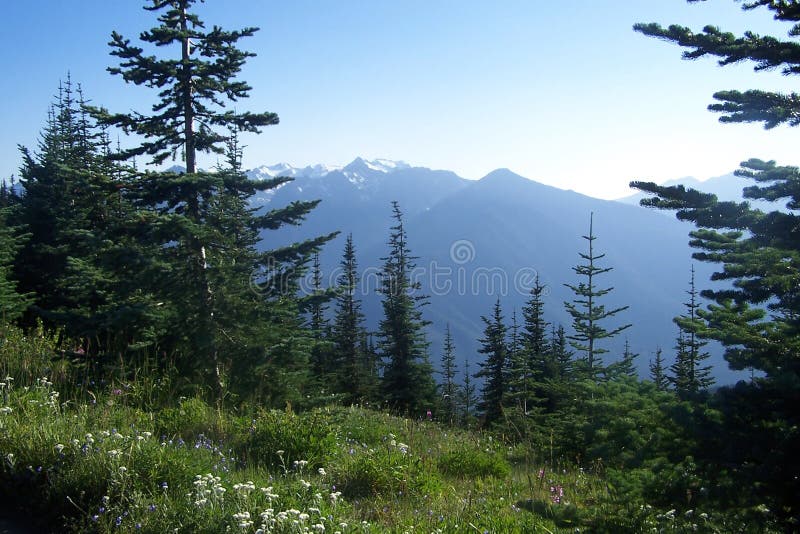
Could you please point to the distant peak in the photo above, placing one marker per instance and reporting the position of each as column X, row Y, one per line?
column 377, row 165
column 503, row 174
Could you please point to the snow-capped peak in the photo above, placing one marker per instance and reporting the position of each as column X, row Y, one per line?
column 377, row 165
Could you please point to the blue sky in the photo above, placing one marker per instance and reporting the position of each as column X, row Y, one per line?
column 561, row 92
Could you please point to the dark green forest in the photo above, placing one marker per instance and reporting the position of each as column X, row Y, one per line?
column 149, row 296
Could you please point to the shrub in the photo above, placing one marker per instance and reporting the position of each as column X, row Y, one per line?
column 192, row 418
column 473, row 463
column 281, row 438
column 392, row 471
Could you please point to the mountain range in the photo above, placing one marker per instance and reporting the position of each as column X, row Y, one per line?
column 480, row 240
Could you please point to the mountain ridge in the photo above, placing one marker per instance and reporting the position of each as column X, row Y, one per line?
column 508, row 229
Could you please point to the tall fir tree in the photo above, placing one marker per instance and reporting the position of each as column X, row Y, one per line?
column 517, row 372
column 561, row 384
column 12, row 303
column 190, row 118
column 540, row 362
column 625, row 367
column 353, row 362
column 467, row 397
column 689, row 375
column 408, row 385
column 320, row 329
column 755, row 314
column 494, row 368
column 448, row 386
column 586, row 311
column 84, row 262
column 658, row 373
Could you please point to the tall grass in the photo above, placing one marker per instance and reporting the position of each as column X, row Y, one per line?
column 114, row 457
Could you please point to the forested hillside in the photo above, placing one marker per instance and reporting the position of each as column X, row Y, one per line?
column 177, row 355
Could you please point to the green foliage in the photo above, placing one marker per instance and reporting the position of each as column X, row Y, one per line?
column 658, row 372
column 353, row 367
column 280, row 439
column 12, row 303
column 390, row 470
column 408, row 385
column 448, row 387
column 689, row 375
column 495, row 368
column 586, row 311
column 187, row 420
column 754, row 314
column 472, row 463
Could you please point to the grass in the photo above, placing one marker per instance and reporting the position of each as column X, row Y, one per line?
column 99, row 459
column 104, row 466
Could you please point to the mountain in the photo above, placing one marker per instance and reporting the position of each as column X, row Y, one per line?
column 480, row 240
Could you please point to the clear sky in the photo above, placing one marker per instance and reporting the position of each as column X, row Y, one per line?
column 561, row 92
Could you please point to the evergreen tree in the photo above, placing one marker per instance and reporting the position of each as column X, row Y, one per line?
column 354, row 365
column 658, row 372
column 467, row 398
column 541, row 365
column 561, row 353
column 55, row 203
column 755, row 315
column 494, row 368
column 195, row 211
column 321, row 352
column 408, row 384
column 448, row 386
column 690, row 376
column 626, row 366
column 12, row 303
column 586, row 312
column 83, row 263
column 516, row 379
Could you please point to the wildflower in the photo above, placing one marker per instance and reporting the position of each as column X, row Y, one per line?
column 245, row 488
column 319, row 527
column 556, row 493
column 243, row 519
column 5, row 410
column 59, row 447
column 335, row 497
column 268, row 493
column 321, row 471
column 305, row 484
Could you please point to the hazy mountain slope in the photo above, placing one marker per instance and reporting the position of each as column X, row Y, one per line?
column 480, row 240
